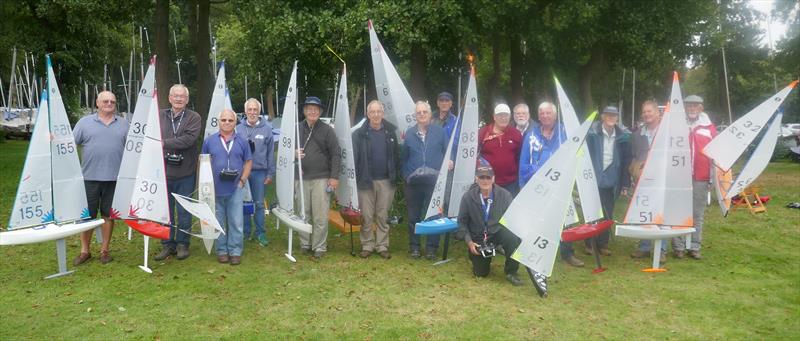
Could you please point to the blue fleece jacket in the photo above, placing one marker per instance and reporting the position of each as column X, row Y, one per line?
column 416, row 153
column 536, row 149
column 261, row 135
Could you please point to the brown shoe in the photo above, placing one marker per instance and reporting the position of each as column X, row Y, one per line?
column 574, row 261
column 588, row 250
column 605, row 252
column 385, row 254
column 82, row 258
column 223, row 258
column 695, row 254
column 105, row 258
column 236, row 260
column 640, row 254
column 680, row 254
column 365, row 253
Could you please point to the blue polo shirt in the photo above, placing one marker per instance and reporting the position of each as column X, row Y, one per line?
column 222, row 158
column 103, row 146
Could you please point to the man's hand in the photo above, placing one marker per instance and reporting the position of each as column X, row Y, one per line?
column 241, row 182
column 333, row 183
column 450, row 165
column 473, row 248
column 268, row 181
column 300, row 153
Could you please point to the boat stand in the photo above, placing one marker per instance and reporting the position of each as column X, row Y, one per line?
column 146, row 250
column 444, row 252
column 61, row 256
column 596, row 253
column 656, row 258
column 98, row 234
column 352, row 245
column 288, row 253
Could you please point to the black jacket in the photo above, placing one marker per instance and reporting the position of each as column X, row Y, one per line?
column 184, row 142
column 470, row 213
column 362, row 153
column 323, row 158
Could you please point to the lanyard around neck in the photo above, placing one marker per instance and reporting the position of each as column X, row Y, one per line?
column 486, row 205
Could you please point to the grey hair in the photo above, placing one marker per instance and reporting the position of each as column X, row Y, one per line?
column 227, row 111
column 177, row 87
column 524, row 107
column 252, row 101
column 376, row 101
column 424, row 104
column 550, row 104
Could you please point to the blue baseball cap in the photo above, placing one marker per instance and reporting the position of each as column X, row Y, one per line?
column 445, row 95
column 611, row 110
column 313, row 100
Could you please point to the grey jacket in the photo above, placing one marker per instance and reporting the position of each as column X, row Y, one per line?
column 322, row 160
column 470, row 213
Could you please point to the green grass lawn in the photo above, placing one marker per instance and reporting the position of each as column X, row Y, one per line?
column 746, row 287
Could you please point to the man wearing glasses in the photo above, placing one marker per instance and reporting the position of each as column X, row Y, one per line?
column 102, row 136
column 180, row 128
column 479, row 220
column 257, row 131
column 230, row 164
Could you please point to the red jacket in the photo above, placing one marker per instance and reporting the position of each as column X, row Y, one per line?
column 501, row 151
column 701, row 133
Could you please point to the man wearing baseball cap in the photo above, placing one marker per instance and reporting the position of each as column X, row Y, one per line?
column 479, row 215
column 499, row 144
column 318, row 149
column 445, row 117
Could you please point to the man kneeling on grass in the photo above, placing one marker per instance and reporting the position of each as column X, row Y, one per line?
column 482, row 206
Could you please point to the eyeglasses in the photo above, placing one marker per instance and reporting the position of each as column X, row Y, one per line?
column 107, row 101
column 226, row 120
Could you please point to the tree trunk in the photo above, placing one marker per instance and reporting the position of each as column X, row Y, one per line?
column 517, row 69
column 270, row 105
column 355, row 98
column 202, row 50
column 162, row 51
column 585, row 75
column 418, row 60
column 494, row 79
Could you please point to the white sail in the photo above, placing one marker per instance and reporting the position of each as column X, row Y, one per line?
column 759, row 160
column 399, row 106
column 346, row 193
column 586, row 179
column 134, row 143
column 285, row 167
column 731, row 143
column 436, row 205
column 69, row 193
column 149, row 195
column 205, row 194
column 721, row 182
column 33, row 204
column 537, row 214
column 220, row 100
column 204, row 213
column 464, row 169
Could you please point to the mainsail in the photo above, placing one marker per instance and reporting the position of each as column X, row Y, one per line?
column 220, row 100
column 436, row 205
column 537, row 213
column 759, row 160
column 464, row 169
column 285, row 167
column 585, row 179
column 346, row 194
column 205, row 194
column 69, row 192
column 134, row 144
column 731, row 143
column 149, row 196
column 33, row 204
column 399, row 106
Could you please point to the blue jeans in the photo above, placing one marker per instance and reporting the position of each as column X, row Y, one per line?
column 256, row 178
column 229, row 214
column 645, row 245
column 183, row 186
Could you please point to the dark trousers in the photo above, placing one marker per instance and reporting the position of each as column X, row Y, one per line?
column 607, row 199
column 418, row 197
column 510, row 242
column 183, row 186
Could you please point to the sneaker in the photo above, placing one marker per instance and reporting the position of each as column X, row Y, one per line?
column 223, row 258
column 236, row 260
column 262, row 240
column 182, row 252
column 319, row 254
column 640, row 254
column 165, row 253
column 82, row 258
column 695, row 254
column 574, row 261
column 515, row 281
column 605, row 252
column 680, row 254
column 365, row 253
column 385, row 254
column 588, row 251
column 415, row 254
column 105, row 257
column 430, row 255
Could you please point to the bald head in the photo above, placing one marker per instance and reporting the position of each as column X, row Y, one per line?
column 106, row 103
column 227, row 121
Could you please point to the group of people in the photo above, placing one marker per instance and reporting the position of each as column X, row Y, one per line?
column 512, row 148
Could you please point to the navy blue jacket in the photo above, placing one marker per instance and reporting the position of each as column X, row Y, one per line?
column 362, row 153
column 616, row 175
column 416, row 154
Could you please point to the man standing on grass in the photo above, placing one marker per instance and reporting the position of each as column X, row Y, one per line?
column 479, row 220
column 376, row 156
column 230, row 164
column 258, row 134
column 102, row 136
column 701, row 133
column 319, row 151
column 180, row 128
